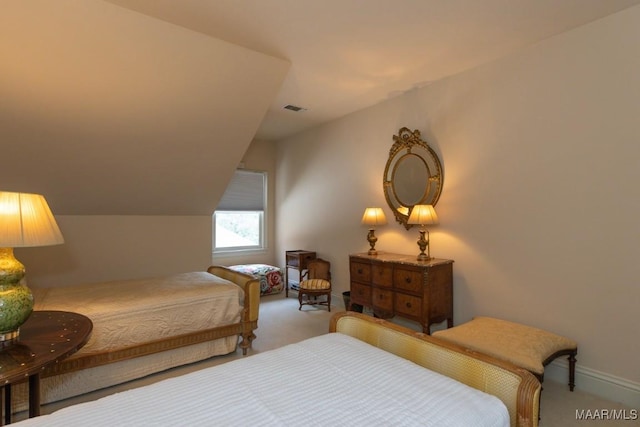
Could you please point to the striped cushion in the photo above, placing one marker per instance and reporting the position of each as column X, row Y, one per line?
column 315, row 284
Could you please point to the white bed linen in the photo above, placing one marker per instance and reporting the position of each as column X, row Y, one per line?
column 125, row 313
column 138, row 311
column 59, row 387
column 338, row 379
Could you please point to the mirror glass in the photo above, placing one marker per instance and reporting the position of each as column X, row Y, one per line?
column 410, row 180
column 412, row 176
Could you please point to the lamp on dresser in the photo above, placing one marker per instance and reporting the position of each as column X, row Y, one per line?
column 373, row 217
column 25, row 220
column 423, row 215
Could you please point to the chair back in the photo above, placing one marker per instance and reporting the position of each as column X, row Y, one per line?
column 319, row 269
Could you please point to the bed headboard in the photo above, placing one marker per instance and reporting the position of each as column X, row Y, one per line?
column 517, row 388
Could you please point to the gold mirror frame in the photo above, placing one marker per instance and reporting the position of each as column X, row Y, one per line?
column 412, row 176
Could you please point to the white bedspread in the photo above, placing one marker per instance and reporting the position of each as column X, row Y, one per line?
column 342, row 381
column 126, row 313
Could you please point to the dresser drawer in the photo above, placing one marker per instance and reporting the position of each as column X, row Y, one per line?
column 360, row 294
column 400, row 285
column 408, row 305
column 360, row 272
column 382, row 274
column 408, row 280
column 382, row 299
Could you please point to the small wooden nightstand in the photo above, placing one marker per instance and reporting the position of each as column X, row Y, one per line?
column 400, row 285
column 45, row 338
column 296, row 260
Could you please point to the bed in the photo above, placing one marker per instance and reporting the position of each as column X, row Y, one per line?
column 365, row 372
column 269, row 276
column 144, row 326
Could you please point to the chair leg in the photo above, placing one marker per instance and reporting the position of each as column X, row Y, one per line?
column 312, row 299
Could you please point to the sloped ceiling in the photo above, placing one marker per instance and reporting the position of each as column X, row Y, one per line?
column 347, row 55
column 147, row 106
column 108, row 111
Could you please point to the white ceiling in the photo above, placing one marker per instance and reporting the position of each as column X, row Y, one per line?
column 346, row 55
column 143, row 107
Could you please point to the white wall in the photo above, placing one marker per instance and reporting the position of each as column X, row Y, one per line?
column 112, row 247
column 540, row 206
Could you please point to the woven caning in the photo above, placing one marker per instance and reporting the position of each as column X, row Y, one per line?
column 473, row 370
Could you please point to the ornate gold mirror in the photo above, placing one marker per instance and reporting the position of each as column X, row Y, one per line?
column 413, row 175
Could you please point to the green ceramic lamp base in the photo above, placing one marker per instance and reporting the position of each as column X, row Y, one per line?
column 16, row 300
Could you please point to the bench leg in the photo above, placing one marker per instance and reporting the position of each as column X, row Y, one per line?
column 572, row 370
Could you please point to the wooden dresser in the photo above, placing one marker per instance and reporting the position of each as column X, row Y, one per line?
column 400, row 285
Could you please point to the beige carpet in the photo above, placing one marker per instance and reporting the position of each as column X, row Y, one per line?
column 281, row 323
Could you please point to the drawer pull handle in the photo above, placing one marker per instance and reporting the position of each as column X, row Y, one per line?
column 407, row 279
column 359, row 271
column 408, row 305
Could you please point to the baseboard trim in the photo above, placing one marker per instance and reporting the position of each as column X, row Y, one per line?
column 598, row 383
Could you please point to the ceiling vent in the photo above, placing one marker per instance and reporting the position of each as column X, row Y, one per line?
column 294, row 108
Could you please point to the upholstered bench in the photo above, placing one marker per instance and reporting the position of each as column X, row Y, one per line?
column 270, row 277
column 524, row 346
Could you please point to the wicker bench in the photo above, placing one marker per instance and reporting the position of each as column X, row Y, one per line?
column 524, row 346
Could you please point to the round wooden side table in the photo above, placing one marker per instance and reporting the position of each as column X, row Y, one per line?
column 45, row 338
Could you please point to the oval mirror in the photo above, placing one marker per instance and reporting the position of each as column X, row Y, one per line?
column 410, row 179
column 412, row 176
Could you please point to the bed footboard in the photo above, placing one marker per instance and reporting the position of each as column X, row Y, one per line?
column 251, row 287
column 517, row 388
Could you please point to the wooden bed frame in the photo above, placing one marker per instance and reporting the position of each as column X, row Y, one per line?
column 244, row 328
column 518, row 389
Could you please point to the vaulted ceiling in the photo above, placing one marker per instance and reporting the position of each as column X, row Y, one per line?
column 147, row 106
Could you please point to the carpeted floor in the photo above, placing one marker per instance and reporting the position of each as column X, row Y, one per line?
column 281, row 323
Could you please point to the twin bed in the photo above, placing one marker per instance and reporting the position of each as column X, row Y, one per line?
column 141, row 327
column 366, row 372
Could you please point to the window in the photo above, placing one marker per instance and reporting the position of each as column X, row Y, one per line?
column 238, row 222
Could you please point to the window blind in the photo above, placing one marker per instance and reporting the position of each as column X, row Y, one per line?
column 245, row 192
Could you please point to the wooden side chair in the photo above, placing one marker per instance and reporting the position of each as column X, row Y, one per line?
column 317, row 284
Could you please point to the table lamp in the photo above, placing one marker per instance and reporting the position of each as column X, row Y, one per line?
column 25, row 220
column 373, row 217
column 423, row 215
